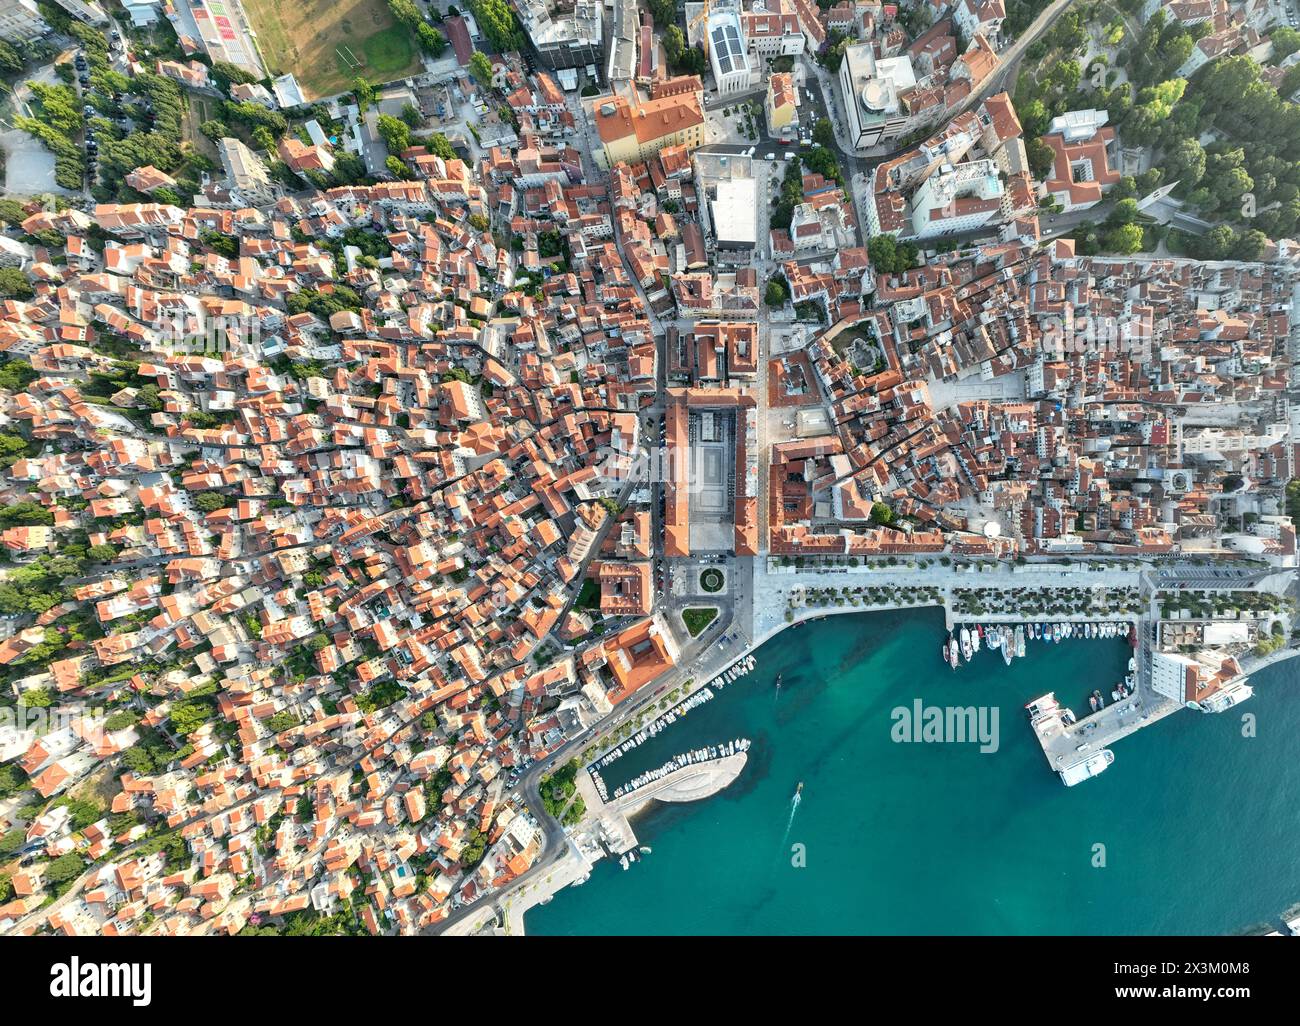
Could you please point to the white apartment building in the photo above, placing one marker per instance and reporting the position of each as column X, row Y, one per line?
column 247, row 174
column 874, row 94
column 957, row 199
column 21, row 21
column 982, row 17
column 1191, row 681
column 771, row 30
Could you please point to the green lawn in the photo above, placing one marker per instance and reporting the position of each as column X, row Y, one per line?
column 387, row 52
column 318, row 39
column 697, row 619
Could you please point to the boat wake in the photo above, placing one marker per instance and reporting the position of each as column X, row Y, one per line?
column 794, row 807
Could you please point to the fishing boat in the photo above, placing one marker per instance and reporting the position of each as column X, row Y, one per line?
column 1092, row 701
column 1100, row 701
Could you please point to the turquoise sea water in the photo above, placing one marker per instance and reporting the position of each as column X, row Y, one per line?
column 1200, row 825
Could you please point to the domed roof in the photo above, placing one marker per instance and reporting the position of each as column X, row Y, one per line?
column 875, row 95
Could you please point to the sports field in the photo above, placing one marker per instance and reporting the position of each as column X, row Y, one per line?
column 328, row 43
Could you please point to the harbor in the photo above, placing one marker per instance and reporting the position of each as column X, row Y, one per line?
column 1011, row 640
column 1076, row 748
column 696, row 757
column 938, row 838
column 687, row 777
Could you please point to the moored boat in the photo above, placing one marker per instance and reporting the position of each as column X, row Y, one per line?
column 1086, row 768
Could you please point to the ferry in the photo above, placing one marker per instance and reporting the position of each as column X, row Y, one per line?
column 1087, row 768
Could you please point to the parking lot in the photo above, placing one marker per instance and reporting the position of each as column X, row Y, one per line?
column 1209, row 577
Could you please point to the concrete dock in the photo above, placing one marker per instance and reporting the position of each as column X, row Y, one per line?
column 606, row 827
column 1066, row 744
column 688, row 784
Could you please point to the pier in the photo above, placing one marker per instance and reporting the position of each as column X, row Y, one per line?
column 609, row 818
column 688, row 784
column 1068, row 744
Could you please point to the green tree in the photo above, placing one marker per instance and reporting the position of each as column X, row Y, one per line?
column 14, row 284
column 497, row 21
column 12, row 212
column 439, row 145
column 664, row 12
column 776, row 293
column 395, row 133
column 1126, row 238
column 16, row 375
column 674, row 44
column 481, row 68
column 1124, row 212
column 1286, row 41
column 1185, row 163
column 64, row 868
column 1042, row 158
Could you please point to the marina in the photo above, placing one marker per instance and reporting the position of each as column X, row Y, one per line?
column 741, row 668
column 1010, row 640
column 691, row 758
column 916, row 839
column 1074, row 748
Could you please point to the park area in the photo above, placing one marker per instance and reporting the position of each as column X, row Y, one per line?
column 327, row 44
